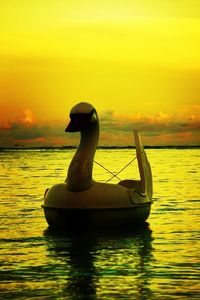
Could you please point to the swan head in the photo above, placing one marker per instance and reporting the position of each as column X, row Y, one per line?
column 81, row 115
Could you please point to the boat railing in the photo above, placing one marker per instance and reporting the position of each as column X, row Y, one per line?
column 113, row 174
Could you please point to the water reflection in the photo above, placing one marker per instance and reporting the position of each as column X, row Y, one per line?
column 103, row 266
column 118, row 265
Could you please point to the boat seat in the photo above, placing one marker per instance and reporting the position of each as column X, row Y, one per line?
column 131, row 184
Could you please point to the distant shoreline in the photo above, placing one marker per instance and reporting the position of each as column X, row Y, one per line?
column 101, row 147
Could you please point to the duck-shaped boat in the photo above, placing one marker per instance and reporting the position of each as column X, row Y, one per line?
column 81, row 200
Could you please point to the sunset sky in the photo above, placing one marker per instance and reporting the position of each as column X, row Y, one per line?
column 137, row 62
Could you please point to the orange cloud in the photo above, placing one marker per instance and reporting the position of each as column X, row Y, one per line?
column 158, row 129
column 6, row 125
column 27, row 117
column 115, row 130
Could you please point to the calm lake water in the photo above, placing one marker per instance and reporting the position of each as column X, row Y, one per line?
column 159, row 261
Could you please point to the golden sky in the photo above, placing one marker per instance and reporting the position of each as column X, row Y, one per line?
column 137, row 62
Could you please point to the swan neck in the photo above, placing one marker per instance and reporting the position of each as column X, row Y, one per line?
column 81, row 167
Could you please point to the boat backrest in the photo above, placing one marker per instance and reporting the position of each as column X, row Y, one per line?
column 146, row 186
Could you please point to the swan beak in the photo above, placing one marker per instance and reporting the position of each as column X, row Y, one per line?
column 77, row 125
column 80, row 121
column 72, row 127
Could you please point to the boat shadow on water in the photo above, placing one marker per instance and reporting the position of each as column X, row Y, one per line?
column 103, row 264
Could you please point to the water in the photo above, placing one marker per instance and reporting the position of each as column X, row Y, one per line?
column 159, row 261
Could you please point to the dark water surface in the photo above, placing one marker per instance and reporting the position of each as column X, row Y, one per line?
column 159, row 261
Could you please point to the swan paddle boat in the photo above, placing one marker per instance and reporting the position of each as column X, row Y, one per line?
column 82, row 201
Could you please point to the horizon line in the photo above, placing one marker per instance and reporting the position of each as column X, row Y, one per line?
column 99, row 147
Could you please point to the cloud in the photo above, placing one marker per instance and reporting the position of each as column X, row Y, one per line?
column 157, row 129
column 27, row 117
column 115, row 130
column 26, row 131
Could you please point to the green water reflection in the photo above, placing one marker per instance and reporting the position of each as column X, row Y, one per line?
column 96, row 266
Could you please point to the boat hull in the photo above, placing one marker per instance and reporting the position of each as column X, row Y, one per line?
column 96, row 218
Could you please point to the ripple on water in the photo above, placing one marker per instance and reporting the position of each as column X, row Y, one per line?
column 161, row 263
